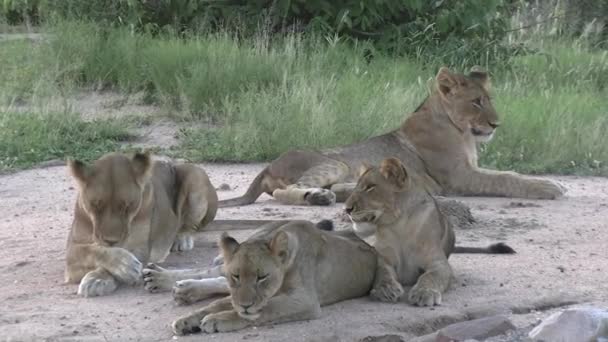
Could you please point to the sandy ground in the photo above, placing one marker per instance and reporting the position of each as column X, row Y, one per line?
column 561, row 259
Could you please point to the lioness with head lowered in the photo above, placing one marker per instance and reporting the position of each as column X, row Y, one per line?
column 438, row 142
column 412, row 236
column 284, row 272
column 131, row 210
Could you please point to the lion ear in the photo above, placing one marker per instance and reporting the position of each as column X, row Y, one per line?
column 284, row 245
column 394, row 172
column 142, row 165
column 481, row 76
column 445, row 81
column 79, row 170
column 364, row 168
column 228, row 245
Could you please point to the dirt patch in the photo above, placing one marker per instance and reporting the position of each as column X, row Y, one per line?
column 36, row 211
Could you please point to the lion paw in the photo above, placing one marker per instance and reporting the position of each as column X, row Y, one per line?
column 389, row 291
column 124, row 266
column 183, row 242
column 186, row 325
column 188, row 291
column 157, row 279
column 546, row 189
column 92, row 286
column 221, row 322
column 424, row 296
column 320, row 197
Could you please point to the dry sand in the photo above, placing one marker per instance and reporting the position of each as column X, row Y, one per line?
column 561, row 258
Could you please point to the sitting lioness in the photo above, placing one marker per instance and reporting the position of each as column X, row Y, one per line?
column 285, row 272
column 131, row 210
column 438, row 142
column 411, row 234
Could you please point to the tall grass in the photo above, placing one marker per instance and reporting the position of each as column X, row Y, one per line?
column 266, row 95
column 29, row 138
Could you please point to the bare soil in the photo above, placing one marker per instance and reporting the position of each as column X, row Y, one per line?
column 561, row 259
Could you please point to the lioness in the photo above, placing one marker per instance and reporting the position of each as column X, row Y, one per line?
column 437, row 142
column 131, row 210
column 285, row 272
column 411, row 234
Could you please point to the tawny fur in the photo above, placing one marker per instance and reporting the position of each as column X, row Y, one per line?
column 438, row 143
column 284, row 272
column 410, row 233
column 131, row 210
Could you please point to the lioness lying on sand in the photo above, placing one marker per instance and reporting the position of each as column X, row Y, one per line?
column 438, row 142
column 412, row 236
column 284, row 272
column 131, row 210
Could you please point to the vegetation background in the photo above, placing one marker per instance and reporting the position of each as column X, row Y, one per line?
column 247, row 80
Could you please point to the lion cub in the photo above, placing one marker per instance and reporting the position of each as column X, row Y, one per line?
column 411, row 235
column 284, row 272
column 131, row 210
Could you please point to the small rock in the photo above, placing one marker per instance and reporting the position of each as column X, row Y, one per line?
column 561, row 268
column 224, row 187
column 477, row 329
column 522, row 205
column 573, row 325
column 383, row 338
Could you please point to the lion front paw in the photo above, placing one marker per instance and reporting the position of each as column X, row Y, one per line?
column 183, row 242
column 222, row 322
column 188, row 291
column 124, row 266
column 320, row 197
column 93, row 286
column 186, row 325
column 424, row 296
column 387, row 291
column 545, row 189
column 157, row 279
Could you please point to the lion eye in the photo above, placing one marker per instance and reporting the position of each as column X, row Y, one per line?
column 262, row 278
column 370, row 188
column 235, row 277
column 477, row 102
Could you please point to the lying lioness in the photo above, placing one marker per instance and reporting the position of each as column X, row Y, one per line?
column 284, row 272
column 438, row 142
column 131, row 210
column 411, row 234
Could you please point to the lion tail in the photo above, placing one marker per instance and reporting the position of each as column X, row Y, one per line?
column 253, row 192
column 497, row 248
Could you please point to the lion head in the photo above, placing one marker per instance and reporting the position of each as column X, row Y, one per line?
column 255, row 270
column 374, row 200
column 467, row 102
column 112, row 192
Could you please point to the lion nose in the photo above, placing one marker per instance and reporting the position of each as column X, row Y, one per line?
column 348, row 210
column 246, row 306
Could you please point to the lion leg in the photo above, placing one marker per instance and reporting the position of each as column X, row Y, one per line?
column 98, row 282
column 386, row 286
column 484, row 182
column 196, row 205
column 158, row 279
column 193, row 290
column 431, row 284
column 191, row 322
column 310, row 187
column 282, row 308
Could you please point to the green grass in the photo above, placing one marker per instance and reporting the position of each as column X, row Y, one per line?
column 264, row 96
column 28, row 139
